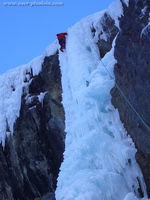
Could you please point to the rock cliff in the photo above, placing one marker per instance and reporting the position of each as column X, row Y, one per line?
column 132, row 73
column 30, row 161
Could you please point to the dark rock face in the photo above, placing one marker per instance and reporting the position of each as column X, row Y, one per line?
column 132, row 73
column 29, row 164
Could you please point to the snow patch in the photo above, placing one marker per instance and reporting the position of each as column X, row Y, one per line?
column 126, row 2
column 12, row 85
column 115, row 11
column 41, row 97
column 145, row 30
column 130, row 196
column 51, row 49
column 144, row 10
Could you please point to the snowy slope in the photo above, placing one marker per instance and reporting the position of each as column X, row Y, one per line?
column 12, row 85
column 99, row 158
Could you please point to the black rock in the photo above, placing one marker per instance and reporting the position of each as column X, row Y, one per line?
column 30, row 161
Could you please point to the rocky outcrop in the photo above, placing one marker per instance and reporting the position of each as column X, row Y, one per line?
column 132, row 73
column 30, row 161
column 108, row 31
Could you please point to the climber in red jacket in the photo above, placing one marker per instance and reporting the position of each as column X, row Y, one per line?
column 62, row 40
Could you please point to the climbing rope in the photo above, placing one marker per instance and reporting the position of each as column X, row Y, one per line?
column 115, row 81
column 126, row 98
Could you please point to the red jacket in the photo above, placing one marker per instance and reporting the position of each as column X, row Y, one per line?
column 61, row 35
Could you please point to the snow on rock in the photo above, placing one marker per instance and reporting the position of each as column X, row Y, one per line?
column 99, row 158
column 131, row 196
column 12, row 84
column 126, row 2
column 115, row 11
column 41, row 97
column 145, row 30
column 51, row 49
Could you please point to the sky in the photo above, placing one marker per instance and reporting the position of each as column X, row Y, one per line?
column 26, row 30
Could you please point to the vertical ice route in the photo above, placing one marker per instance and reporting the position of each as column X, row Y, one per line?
column 99, row 159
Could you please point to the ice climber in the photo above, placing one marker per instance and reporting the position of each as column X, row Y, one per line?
column 62, row 40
